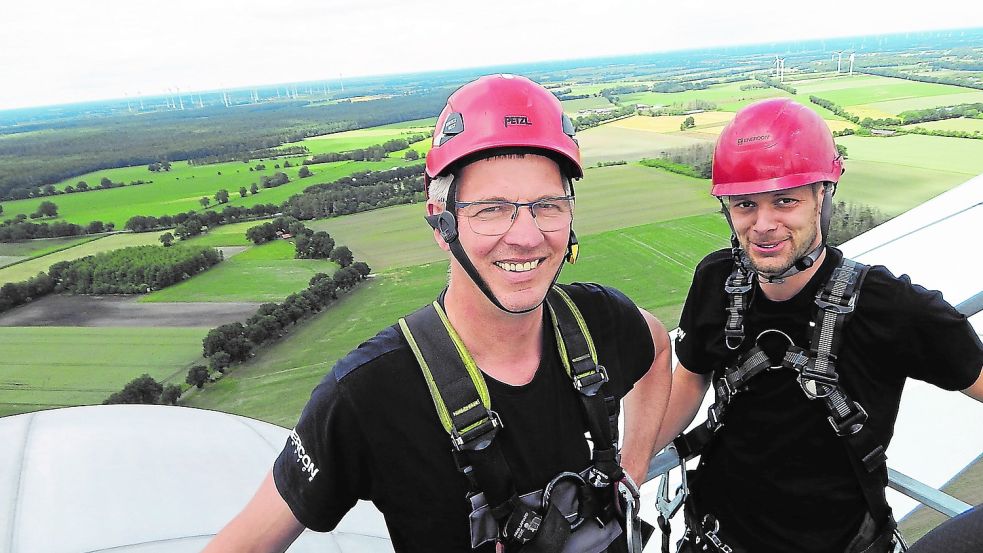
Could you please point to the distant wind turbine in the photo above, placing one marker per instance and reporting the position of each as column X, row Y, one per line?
column 852, row 56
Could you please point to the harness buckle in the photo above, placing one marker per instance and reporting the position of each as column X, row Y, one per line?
column 479, row 436
column 838, row 308
column 734, row 334
column 852, row 424
column 590, row 382
column 807, row 376
column 740, row 289
column 713, row 418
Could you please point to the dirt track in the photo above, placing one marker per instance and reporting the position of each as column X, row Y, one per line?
column 58, row 310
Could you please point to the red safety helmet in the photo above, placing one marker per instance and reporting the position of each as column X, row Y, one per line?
column 773, row 145
column 502, row 111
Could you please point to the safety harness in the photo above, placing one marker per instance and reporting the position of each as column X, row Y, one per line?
column 538, row 522
column 818, row 378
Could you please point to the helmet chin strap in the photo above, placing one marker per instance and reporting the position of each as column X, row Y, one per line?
column 446, row 224
column 801, row 264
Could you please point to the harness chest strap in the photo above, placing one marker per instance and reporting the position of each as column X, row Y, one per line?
column 463, row 405
column 817, row 377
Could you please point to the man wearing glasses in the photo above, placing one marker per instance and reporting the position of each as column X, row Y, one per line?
column 465, row 423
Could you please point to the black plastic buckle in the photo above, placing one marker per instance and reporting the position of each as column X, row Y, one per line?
column 852, row 424
column 590, row 382
column 480, row 436
column 837, row 307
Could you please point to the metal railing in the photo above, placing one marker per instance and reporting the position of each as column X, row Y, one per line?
column 919, row 491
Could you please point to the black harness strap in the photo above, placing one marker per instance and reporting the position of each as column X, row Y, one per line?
column 817, row 377
column 463, row 405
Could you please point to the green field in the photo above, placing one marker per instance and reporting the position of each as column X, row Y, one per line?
column 260, row 274
column 59, row 366
column 571, row 107
column 180, row 189
column 612, row 142
column 719, row 94
column 275, row 385
column 37, row 248
column 28, row 269
column 938, row 153
column 882, row 89
column 894, row 107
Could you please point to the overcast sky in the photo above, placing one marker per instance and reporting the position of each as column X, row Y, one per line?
column 57, row 51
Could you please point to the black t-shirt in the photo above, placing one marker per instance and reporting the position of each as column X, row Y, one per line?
column 370, row 430
column 776, row 475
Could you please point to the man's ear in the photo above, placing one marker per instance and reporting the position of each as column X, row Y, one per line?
column 434, row 209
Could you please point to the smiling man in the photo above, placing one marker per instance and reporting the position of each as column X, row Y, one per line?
column 465, row 423
column 807, row 352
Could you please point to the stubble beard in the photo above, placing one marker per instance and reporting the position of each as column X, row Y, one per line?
column 772, row 267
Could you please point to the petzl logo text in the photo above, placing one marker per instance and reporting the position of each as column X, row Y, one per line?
column 302, row 457
column 516, row 120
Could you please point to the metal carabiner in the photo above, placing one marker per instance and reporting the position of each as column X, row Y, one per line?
column 628, row 493
column 669, row 507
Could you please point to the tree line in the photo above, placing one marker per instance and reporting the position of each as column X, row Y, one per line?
column 775, row 84
column 246, row 157
column 29, row 161
column 377, row 152
column 967, row 82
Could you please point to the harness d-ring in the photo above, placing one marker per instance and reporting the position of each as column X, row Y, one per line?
column 581, row 485
column 776, row 331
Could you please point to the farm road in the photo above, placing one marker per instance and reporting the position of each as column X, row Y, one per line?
column 58, row 310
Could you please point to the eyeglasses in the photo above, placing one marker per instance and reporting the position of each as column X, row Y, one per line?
column 495, row 217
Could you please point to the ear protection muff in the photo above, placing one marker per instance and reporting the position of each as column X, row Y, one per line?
column 573, row 248
column 445, row 223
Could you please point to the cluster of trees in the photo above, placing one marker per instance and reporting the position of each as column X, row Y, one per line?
column 278, row 179
column 159, row 166
column 246, row 157
column 13, row 294
column 84, row 145
column 752, row 86
column 147, row 391
column 673, row 167
column 849, row 220
column 594, row 119
column 45, row 209
column 694, row 161
column 135, row 270
column 16, row 229
column 940, row 113
column 611, row 163
column 967, row 81
column 362, row 191
column 371, row 153
column 687, row 123
column 775, row 84
column 271, row 230
column 959, row 65
column 682, row 108
column 234, row 342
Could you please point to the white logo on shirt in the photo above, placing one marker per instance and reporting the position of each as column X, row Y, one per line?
column 302, row 456
column 680, row 335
